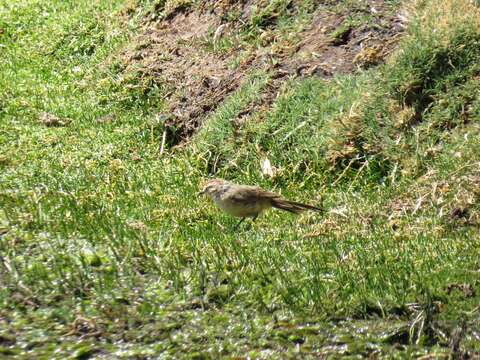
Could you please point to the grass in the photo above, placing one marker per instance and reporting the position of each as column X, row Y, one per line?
column 107, row 251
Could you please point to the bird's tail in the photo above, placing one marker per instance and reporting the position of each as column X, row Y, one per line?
column 292, row 206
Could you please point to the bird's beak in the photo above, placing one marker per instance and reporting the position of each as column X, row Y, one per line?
column 200, row 193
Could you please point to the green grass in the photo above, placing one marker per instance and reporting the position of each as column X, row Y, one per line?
column 106, row 249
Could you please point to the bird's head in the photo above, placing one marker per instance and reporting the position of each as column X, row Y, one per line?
column 211, row 187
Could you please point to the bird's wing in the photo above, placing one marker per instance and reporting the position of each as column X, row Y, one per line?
column 249, row 194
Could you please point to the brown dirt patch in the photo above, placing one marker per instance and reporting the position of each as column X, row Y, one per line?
column 173, row 51
column 178, row 51
column 332, row 46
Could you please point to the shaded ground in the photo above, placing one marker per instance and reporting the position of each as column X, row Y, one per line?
column 202, row 54
column 203, row 330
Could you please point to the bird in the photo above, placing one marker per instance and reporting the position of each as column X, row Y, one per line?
column 246, row 201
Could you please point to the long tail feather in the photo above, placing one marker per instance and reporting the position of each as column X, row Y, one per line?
column 292, row 206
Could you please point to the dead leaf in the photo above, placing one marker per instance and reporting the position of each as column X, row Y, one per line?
column 268, row 169
column 467, row 289
column 51, row 120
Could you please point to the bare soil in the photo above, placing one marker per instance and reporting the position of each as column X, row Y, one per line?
column 178, row 51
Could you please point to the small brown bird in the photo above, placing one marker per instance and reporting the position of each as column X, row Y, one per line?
column 248, row 201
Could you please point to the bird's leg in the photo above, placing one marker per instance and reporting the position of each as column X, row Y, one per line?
column 236, row 226
column 254, row 217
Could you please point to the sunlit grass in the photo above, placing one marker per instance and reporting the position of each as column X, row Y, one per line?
column 102, row 233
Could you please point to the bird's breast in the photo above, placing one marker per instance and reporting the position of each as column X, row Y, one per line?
column 244, row 209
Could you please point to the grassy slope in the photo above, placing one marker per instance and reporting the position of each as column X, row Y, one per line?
column 103, row 238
